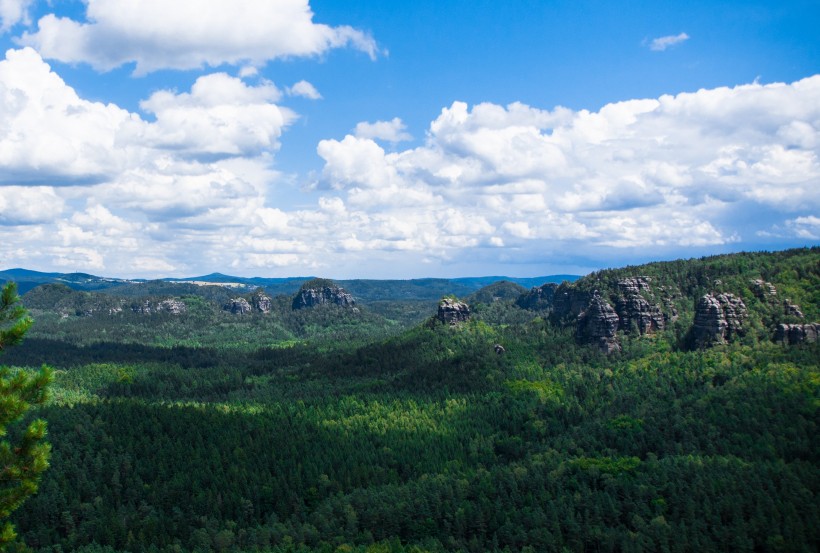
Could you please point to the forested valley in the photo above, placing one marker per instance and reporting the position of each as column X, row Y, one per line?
column 665, row 407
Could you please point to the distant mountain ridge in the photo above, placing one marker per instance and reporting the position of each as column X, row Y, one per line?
column 366, row 289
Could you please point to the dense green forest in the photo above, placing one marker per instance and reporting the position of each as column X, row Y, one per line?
column 379, row 428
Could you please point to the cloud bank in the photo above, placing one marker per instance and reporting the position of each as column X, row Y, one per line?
column 187, row 34
column 187, row 185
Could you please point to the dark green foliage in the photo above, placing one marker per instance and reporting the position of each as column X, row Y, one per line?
column 13, row 319
column 498, row 291
column 318, row 283
column 23, row 451
column 355, row 434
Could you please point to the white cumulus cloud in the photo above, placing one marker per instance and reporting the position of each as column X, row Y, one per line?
column 189, row 34
column 220, row 116
column 668, row 173
column 13, row 12
column 304, row 89
column 188, row 185
column 391, row 131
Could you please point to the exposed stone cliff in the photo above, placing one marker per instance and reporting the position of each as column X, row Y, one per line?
column 763, row 289
column 539, row 298
column 598, row 324
column 261, row 301
column 792, row 310
column 797, row 333
column 718, row 319
column 568, row 302
column 238, row 306
column 322, row 292
column 634, row 310
column 452, row 311
column 172, row 306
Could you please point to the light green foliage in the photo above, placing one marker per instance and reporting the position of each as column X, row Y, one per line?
column 347, row 437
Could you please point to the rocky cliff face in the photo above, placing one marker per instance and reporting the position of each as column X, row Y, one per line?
column 598, row 324
column 569, row 302
column 452, row 312
column 325, row 294
column 634, row 310
column 790, row 334
column 598, row 321
column 238, row 306
column 539, row 298
column 718, row 319
column 762, row 289
column 172, row 306
column 791, row 309
column 261, row 301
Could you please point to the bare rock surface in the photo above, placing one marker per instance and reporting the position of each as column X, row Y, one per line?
column 790, row 334
column 261, row 302
column 238, row 306
column 540, row 297
column 322, row 294
column 452, row 311
column 763, row 289
column 791, row 309
column 635, row 310
column 149, row 307
column 569, row 300
column 718, row 319
column 598, row 324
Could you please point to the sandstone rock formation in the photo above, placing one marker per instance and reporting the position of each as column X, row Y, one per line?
column 261, row 301
column 763, row 289
column 598, row 324
column 718, row 319
column 452, row 311
column 172, row 306
column 796, row 333
column 569, row 301
column 634, row 310
column 322, row 293
column 791, row 309
column 634, row 285
column 540, row 297
column 238, row 306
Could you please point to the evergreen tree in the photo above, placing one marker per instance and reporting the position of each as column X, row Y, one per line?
column 23, row 458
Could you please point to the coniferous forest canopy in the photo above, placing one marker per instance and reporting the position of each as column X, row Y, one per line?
column 666, row 407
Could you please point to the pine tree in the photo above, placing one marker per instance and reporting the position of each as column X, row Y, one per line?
column 21, row 462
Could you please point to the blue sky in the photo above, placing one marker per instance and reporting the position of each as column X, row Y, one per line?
column 403, row 139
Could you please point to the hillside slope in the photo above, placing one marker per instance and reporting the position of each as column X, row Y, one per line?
column 503, row 429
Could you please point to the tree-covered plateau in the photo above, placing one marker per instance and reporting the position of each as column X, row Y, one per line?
column 336, row 435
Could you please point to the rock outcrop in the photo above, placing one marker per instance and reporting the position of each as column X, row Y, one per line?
column 792, row 310
column 238, row 306
column 172, row 306
column 539, row 298
column 261, row 301
column 569, row 302
column 790, row 334
column 718, row 319
column 452, row 312
column 634, row 285
column 762, row 289
column 598, row 324
column 634, row 310
column 321, row 292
